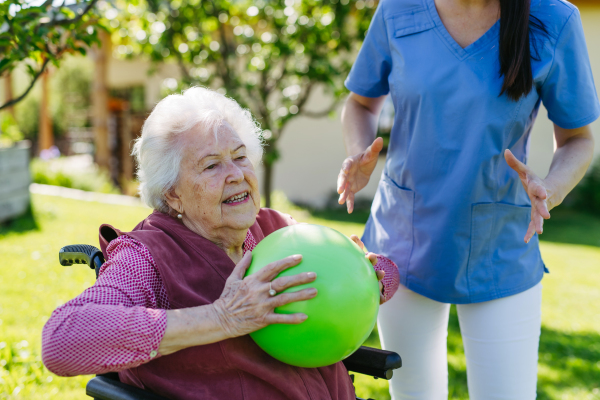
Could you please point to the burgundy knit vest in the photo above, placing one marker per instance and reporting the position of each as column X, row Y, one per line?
column 194, row 271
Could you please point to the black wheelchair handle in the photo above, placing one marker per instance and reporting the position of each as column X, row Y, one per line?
column 81, row 254
column 375, row 362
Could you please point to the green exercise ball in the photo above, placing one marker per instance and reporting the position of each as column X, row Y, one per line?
column 340, row 317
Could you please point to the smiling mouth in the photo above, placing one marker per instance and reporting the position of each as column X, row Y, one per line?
column 238, row 198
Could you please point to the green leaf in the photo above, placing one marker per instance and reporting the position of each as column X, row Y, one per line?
column 31, row 71
column 4, row 63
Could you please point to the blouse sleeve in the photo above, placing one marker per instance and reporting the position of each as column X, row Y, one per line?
column 116, row 324
column 568, row 93
column 369, row 74
column 391, row 280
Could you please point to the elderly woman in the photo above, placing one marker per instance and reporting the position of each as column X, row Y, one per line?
column 171, row 309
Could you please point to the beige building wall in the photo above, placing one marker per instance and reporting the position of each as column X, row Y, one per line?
column 312, row 152
column 127, row 73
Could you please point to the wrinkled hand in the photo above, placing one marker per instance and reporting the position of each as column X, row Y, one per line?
column 539, row 194
column 355, row 173
column 372, row 257
column 245, row 304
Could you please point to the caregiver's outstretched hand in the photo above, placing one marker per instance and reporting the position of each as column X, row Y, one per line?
column 356, row 171
column 539, row 194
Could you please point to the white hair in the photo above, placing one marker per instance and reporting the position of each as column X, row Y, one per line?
column 158, row 151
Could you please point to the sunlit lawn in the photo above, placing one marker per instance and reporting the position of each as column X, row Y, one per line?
column 32, row 284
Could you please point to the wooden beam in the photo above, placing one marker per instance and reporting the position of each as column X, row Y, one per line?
column 8, row 92
column 101, row 56
column 46, row 137
column 126, row 139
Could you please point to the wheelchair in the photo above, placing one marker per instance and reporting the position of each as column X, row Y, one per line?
column 366, row 360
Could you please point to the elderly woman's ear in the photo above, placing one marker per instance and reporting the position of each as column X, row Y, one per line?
column 174, row 202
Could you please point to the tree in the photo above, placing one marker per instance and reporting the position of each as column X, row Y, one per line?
column 38, row 35
column 269, row 55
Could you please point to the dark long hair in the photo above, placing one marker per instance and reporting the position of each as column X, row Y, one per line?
column 518, row 31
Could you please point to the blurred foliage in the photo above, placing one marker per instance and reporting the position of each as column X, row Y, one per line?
column 269, row 55
column 35, row 35
column 71, row 89
column 566, row 225
column 586, row 195
column 28, row 115
column 20, row 367
column 57, row 173
column 9, row 130
column 70, row 99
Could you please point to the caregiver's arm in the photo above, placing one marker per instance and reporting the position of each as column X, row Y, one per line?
column 359, row 124
column 574, row 152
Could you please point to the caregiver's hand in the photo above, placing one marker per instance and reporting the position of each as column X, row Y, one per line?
column 356, row 171
column 245, row 304
column 372, row 257
column 539, row 194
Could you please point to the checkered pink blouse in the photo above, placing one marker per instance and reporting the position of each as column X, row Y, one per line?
column 118, row 323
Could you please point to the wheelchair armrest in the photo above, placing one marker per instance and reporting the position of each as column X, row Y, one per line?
column 375, row 362
column 105, row 388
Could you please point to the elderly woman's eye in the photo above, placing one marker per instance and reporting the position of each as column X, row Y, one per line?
column 241, row 158
column 211, row 166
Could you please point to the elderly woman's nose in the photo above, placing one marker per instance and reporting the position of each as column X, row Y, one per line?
column 234, row 173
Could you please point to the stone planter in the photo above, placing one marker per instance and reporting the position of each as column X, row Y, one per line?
column 14, row 181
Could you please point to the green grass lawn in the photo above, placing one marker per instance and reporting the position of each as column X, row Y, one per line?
column 33, row 284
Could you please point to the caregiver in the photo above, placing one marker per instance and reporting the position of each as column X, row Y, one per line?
column 456, row 200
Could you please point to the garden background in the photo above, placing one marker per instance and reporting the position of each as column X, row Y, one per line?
column 90, row 72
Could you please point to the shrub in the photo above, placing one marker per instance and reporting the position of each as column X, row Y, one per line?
column 9, row 130
column 57, row 172
column 586, row 195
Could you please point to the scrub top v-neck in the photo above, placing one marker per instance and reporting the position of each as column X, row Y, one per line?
column 491, row 35
column 448, row 210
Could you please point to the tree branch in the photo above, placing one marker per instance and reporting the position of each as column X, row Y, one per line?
column 321, row 114
column 62, row 22
column 312, row 114
column 304, row 97
column 262, row 95
column 274, row 83
column 183, row 68
column 21, row 97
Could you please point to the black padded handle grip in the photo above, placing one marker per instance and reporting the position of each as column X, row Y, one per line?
column 375, row 362
column 77, row 254
column 81, row 254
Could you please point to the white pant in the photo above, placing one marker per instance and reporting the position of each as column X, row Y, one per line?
column 500, row 337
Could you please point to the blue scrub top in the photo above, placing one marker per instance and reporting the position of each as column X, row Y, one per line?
column 449, row 211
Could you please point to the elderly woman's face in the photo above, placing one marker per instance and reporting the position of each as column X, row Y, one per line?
column 217, row 185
